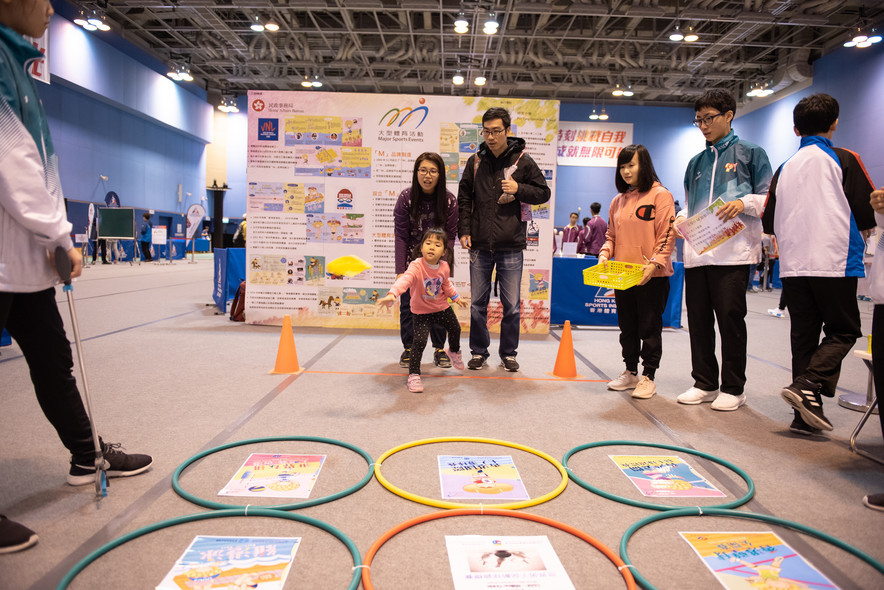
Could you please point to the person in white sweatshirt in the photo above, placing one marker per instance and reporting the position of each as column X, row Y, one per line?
column 876, row 283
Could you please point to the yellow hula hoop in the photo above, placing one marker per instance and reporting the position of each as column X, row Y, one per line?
column 455, row 505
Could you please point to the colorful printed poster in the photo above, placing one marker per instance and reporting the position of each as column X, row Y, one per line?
column 480, row 478
column 755, row 560
column 515, row 563
column 233, row 562
column 665, row 476
column 704, row 231
column 538, row 283
column 275, row 476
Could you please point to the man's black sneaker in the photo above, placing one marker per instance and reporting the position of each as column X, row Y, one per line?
column 116, row 462
column 477, row 362
column 441, row 359
column 509, row 363
column 874, row 501
column 15, row 537
column 405, row 358
column 804, row 396
column 799, row 426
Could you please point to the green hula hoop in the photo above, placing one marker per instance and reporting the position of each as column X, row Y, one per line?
column 247, row 512
column 455, row 505
column 176, row 485
column 623, row 500
column 696, row 511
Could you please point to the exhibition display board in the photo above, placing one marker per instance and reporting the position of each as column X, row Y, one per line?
column 324, row 172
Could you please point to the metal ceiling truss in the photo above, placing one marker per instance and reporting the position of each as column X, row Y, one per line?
column 570, row 50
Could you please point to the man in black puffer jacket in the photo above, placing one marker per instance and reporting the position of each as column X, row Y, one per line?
column 499, row 185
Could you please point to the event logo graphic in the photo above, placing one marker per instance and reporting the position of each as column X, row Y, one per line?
column 268, row 129
column 403, row 114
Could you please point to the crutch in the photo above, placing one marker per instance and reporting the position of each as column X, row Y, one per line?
column 63, row 266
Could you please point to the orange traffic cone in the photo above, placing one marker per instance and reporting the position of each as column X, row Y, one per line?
column 565, row 367
column 287, row 356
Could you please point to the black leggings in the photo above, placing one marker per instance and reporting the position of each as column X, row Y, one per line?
column 422, row 324
column 34, row 322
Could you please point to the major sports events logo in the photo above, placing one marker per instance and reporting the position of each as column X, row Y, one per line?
column 268, row 129
column 404, row 114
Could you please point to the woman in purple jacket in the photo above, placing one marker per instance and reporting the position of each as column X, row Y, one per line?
column 425, row 204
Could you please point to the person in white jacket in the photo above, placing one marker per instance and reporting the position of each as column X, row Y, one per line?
column 33, row 224
column 876, row 282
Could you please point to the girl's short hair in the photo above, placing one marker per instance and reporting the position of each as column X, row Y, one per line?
column 440, row 233
column 647, row 176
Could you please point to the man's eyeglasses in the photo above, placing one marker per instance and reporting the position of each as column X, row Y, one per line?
column 707, row 120
column 427, row 172
column 492, row 132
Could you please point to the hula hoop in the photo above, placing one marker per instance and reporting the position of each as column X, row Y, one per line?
column 696, row 511
column 622, row 566
column 219, row 506
column 607, row 443
column 248, row 512
column 454, row 505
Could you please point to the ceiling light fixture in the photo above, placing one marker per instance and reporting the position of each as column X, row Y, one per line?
column 461, row 25
column 676, row 34
column 93, row 20
column 480, row 81
column 862, row 40
column 457, row 79
column 228, row 104
column 316, row 83
column 690, row 36
column 306, row 83
column 760, row 90
column 617, row 91
column 594, row 116
column 271, row 26
column 491, row 25
column 604, row 115
column 628, row 91
column 256, row 25
column 179, row 71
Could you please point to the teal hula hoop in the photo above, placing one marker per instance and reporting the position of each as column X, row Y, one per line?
column 608, row 443
column 247, row 512
column 696, row 511
column 176, row 485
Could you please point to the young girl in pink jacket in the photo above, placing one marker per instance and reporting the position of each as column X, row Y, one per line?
column 640, row 231
column 428, row 279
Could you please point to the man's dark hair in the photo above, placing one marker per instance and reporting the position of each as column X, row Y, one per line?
column 595, row 208
column 574, row 213
column 586, row 220
column 815, row 114
column 146, row 215
column 646, row 173
column 497, row 113
column 718, row 99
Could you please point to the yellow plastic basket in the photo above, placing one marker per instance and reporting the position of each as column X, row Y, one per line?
column 617, row 275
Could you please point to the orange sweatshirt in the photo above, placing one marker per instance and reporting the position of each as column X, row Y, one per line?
column 640, row 229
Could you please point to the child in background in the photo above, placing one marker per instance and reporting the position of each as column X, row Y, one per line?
column 640, row 231
column 428, row 281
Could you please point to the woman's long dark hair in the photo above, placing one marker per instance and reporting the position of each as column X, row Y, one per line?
column 442, row 235
column 417, row 192
column 647, row 176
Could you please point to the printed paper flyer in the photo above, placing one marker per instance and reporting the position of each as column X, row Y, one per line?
column 755, row 560
column 233, row 562
column 480, row 478
column 704, row 231
column 514, row 563
column 275, row 476
column 665, row 476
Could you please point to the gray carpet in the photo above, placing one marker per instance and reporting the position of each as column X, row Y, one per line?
column 171, row 378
